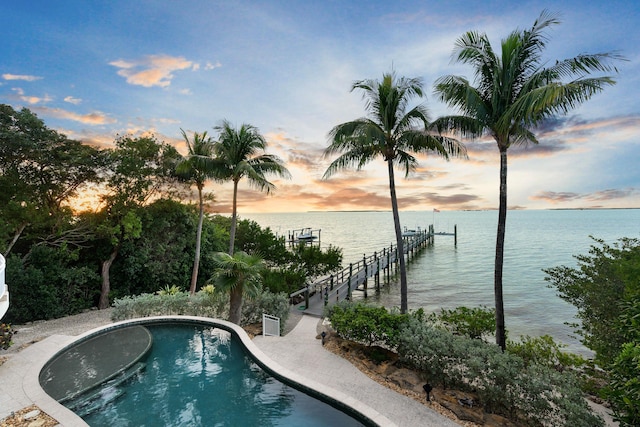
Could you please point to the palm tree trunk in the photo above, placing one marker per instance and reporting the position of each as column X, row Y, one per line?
column 106, row 281
column 501, row 338
column 196, row 261
column 399, row 241
column 235, row 304
column 232, row 232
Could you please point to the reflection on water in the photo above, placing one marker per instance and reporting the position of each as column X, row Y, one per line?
column 197, row 376
column 448, row 276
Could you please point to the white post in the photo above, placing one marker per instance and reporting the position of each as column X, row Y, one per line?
column 4, row 290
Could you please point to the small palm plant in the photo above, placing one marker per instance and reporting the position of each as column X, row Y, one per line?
column 237, row 274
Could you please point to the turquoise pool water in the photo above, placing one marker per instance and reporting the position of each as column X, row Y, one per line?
column 200, row 376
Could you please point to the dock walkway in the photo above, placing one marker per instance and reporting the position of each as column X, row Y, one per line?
column 356, row 276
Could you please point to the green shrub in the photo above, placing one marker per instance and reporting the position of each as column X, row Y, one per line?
column 206, row 303
column 533, row 394
column 530, row 393
column 544, row 351
column 283, row 280
column 624, row 387
column 170, row 290
column 47, row 284
column 366, row 324
column 265, row 302
column 474, row 322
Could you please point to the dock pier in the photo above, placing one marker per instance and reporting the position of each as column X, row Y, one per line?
column 356, row 276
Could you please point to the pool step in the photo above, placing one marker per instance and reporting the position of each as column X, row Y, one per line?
column 88, row 403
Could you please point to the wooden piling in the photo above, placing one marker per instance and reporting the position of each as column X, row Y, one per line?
column 455, row 235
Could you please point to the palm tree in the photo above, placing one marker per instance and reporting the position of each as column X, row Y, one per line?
column 392, row 132
column 238, row 152
column 197, row 168
column 514, row 92
column 237, row 274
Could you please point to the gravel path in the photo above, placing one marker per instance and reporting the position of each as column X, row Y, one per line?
column 80, row 323
column 71, row 325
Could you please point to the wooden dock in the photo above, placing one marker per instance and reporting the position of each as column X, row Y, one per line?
column 357, row 276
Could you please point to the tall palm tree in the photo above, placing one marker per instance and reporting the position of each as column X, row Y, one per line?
column 196, row 168
column 240, row 153
column 391, row 131
column 514, row 92
column 237, row 274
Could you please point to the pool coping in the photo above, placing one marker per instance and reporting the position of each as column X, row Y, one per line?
column 354, row 407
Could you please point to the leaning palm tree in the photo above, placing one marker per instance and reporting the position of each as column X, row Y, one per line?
column 239, row 153
column 237, row 274
column 514, row 92
column 196, row 168
column 391, row 131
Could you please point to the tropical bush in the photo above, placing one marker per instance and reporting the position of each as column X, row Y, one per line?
column 476, row 322
column 265, row 302
column 534, row 394
column 537, row 395
column 205, row 303
column 365, row 323
column 544, row 351
column 603, row 287
column 624, row 386
column 49, row 283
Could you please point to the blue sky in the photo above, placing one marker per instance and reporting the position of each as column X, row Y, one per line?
column 97, row 69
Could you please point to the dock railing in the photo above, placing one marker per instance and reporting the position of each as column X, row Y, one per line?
column 355, row 276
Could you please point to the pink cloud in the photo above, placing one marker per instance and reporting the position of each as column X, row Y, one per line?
column 94, row 118
column 152, row 70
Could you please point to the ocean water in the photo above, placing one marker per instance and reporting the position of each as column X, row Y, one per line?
column 447, row 275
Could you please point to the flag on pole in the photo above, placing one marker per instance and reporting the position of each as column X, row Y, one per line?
column 436, row 210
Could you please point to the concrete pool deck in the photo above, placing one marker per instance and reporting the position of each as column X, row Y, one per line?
column 298, row 352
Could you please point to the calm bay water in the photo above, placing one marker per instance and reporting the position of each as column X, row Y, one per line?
column 448, row 276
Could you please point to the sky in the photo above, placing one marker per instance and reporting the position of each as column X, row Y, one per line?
column 94, row 70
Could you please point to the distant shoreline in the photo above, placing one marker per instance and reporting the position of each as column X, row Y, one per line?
column 442, row 210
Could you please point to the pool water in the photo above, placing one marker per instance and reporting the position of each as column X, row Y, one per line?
column 200, row 376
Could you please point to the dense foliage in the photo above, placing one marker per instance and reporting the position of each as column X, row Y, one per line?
column 366, row 324
column 135, row 237
column 528, row 392
column 605, row 288
column 624, row 385
column 476, row 322
column 207, row 302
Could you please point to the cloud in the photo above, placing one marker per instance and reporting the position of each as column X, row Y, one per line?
column 210, row 66
column 454, row 200
column 612, row 194
column 152, row 70
column 596, row 196
column 21, row 77
column 94, row 118
column 72, row 100
column 353, row 198
column 30, row 99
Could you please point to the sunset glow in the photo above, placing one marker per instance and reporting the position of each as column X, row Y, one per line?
column 94, row 71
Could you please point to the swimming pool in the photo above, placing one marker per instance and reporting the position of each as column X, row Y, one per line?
column 199, row 374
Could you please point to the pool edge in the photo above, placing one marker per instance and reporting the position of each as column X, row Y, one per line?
column 66, row 417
